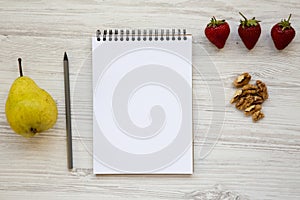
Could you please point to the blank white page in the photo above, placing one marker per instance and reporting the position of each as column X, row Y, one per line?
column 142, row 105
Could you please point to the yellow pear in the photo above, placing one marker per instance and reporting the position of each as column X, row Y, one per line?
column 29, row 109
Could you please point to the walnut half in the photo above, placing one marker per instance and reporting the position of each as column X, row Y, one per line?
column 257, row 115
column 252, row 109
column 242, row 80
column 244, row 102
column 237, row 96
column 249, row 89
column 262, row 90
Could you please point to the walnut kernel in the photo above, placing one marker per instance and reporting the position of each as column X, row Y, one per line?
column 242, row 80
column 257, row 116
column 245, row 102
column 252, row 109
column 236, row 96
column 258, row 100
column 249, row 89
column 262, row 89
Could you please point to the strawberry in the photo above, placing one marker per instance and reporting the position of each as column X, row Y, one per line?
column 217, row 32
column 249, row 31
column 283, row 33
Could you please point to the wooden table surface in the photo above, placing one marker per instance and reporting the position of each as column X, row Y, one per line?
column 234, row 158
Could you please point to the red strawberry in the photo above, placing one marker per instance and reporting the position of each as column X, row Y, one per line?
column 217, row 32
column 249, row 31
column 282, row 33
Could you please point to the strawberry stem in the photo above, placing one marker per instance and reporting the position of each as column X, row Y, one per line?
column 248, row 23
column 285, row 24
column 243, row 16
column 289, row 17
column 214, row 22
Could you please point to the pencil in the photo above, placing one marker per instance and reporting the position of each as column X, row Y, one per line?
column 68, row 112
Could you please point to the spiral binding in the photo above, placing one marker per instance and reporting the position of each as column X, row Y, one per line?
column 141, row 35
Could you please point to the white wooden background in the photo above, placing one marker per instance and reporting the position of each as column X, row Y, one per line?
column 249, row 161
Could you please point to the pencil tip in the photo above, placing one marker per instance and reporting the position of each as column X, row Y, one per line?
column 65, row 56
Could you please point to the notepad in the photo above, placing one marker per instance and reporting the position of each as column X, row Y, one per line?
column 142, row 102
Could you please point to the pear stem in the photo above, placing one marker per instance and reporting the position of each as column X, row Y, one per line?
column 20, row 66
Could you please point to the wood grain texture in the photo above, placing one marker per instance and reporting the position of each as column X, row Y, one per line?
column 248, row 161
